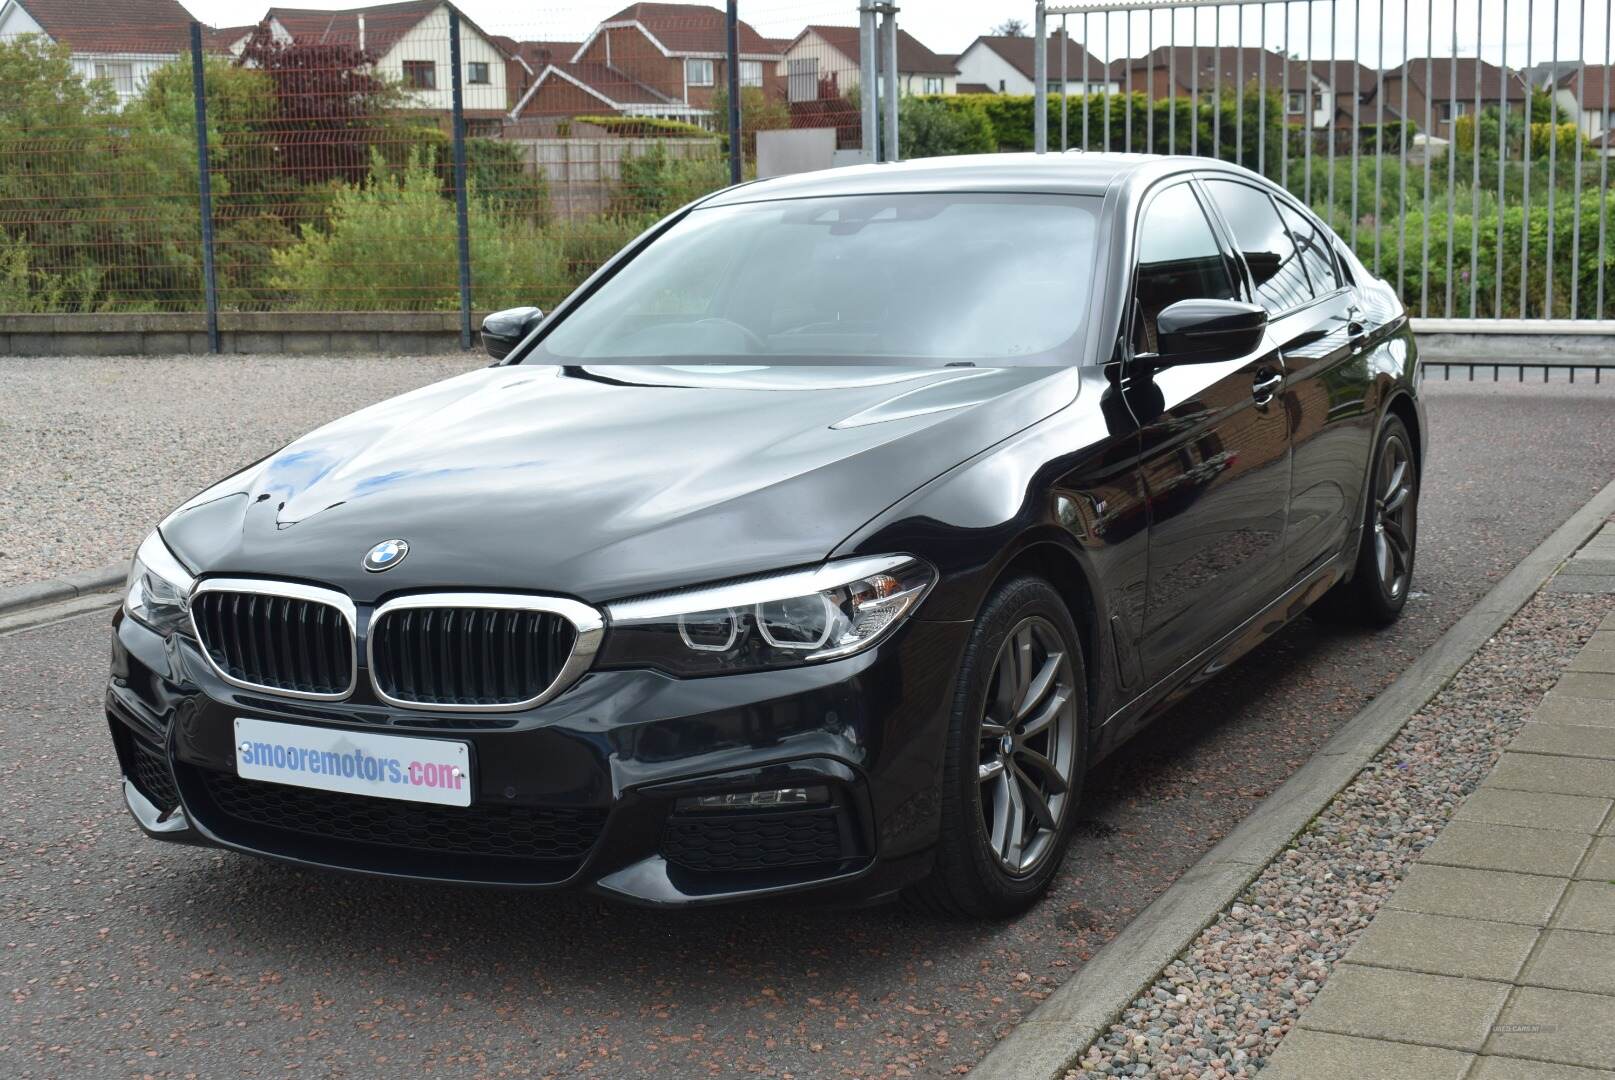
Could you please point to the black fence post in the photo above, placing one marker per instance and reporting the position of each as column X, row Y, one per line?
column 210, row 281
column 461, row 215
column 732, row 23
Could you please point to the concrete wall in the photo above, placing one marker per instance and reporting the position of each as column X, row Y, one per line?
column 411, row 333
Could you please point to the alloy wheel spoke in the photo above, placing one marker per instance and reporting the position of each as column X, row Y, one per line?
column 992, row 730
column 1039, row 685
column 1004, row 694
column 1022, row 663
column 1014, row 816
column 1045, row 769
column 1046, row 715
column 1398, row 472
column 1399, row 543
column 1395, row 500
column 1035, row 802
column 1382, row 555
column 990, row 770
column 1003, row 811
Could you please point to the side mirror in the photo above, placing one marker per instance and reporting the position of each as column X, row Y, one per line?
column 1207, row 331
column 503, row 330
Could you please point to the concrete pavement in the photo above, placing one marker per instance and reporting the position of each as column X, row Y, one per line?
column 1496, row 956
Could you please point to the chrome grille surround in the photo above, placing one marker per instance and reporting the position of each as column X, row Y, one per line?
column 588, row 626
column 289, row 590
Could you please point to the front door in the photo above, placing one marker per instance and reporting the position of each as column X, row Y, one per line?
column 1215, row 450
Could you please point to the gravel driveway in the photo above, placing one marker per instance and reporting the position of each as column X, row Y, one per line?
column 96, row 449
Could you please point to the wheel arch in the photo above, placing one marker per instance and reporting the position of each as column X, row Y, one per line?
column 1049, row 558
column 1400, row 405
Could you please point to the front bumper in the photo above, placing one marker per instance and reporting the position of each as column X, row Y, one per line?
column 581, row 791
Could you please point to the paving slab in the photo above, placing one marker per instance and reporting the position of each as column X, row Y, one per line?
column 1406, row 1006
column 1502, row 1068
column 1535, row 809
column 1597, row 655
column 1320, row 1055
column 1484, row 846
column 1553, row 774
column 1442, row 945
column 1573, row 960
column 1556, row 1025
column 1600, row 864
column 1565, row 740
column 1588, row 905
column 1478, row 894
column 1587, row 684
column 1559, row 708
column 1581, row 583
column 1595, row 564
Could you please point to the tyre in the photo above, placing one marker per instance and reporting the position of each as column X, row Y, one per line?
column 1378, row 589
column 1015, row 758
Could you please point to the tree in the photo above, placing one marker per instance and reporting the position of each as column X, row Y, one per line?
column 758, row 112
column 1010, row 28
column 331, row 109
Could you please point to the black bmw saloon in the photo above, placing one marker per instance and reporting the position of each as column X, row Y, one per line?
column 822, row 540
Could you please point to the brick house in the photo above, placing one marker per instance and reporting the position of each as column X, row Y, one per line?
column 409, row 42
column 1430, row 85
column 664, row 60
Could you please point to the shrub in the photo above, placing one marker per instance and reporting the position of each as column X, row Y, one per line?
column 646, row 127
column 930, row 127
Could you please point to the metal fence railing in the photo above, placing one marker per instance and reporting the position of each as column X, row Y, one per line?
column 1462, row 147
column 402, row 157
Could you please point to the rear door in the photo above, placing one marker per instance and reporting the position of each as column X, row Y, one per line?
column 1314, row 322
column 1214, row 447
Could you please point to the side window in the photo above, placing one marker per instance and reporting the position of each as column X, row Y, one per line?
column 1178, row 259
column 1315, row 253
column 1271, row 255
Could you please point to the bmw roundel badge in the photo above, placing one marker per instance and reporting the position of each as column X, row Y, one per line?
column 385, row 555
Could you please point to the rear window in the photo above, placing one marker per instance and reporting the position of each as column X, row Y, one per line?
column 939, row 277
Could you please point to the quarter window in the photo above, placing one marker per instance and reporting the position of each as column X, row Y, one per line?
column 1178, row 259
column 1269, row 253
column 1314, row 248
column 698, row 72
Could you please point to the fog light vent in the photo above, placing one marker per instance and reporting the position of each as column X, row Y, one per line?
column 772, row 799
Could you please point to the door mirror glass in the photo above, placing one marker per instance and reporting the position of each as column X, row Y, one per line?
column 503, row 330
column 1208, row 331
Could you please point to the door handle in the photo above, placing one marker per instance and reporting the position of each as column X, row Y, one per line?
column 1266, row 387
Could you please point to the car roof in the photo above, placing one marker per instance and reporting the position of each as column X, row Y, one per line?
column 1070, row 173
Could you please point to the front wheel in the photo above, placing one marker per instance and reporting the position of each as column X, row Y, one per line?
column 1017, row 749
column 1378, row 589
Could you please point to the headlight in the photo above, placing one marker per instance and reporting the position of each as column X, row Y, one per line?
column 787, row 619
column 158, row 588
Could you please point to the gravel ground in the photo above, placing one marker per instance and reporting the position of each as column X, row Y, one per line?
column 1222, row 1007
column 96, row 449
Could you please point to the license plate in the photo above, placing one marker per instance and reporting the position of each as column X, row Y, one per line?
column 354, row 762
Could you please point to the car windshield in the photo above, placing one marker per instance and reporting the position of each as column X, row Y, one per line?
column 929, row 277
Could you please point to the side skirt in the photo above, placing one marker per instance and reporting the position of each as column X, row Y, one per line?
column 1128, row 720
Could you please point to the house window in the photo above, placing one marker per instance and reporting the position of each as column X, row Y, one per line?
column 420, row 74
column 1446, row 110
column 477, row 72
column 751, row 73
column 698, row 72
column 121, row 76
column 933, row 84
column 1296, row 102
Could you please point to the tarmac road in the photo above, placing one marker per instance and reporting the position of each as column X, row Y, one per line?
column 120, row 956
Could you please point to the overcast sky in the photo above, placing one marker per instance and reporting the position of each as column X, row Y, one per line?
column 947, row 26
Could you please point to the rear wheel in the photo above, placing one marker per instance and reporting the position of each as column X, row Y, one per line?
column 1378, row 590
column 1015, row 757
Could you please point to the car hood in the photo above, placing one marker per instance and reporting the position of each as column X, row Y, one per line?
column 608, row 481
